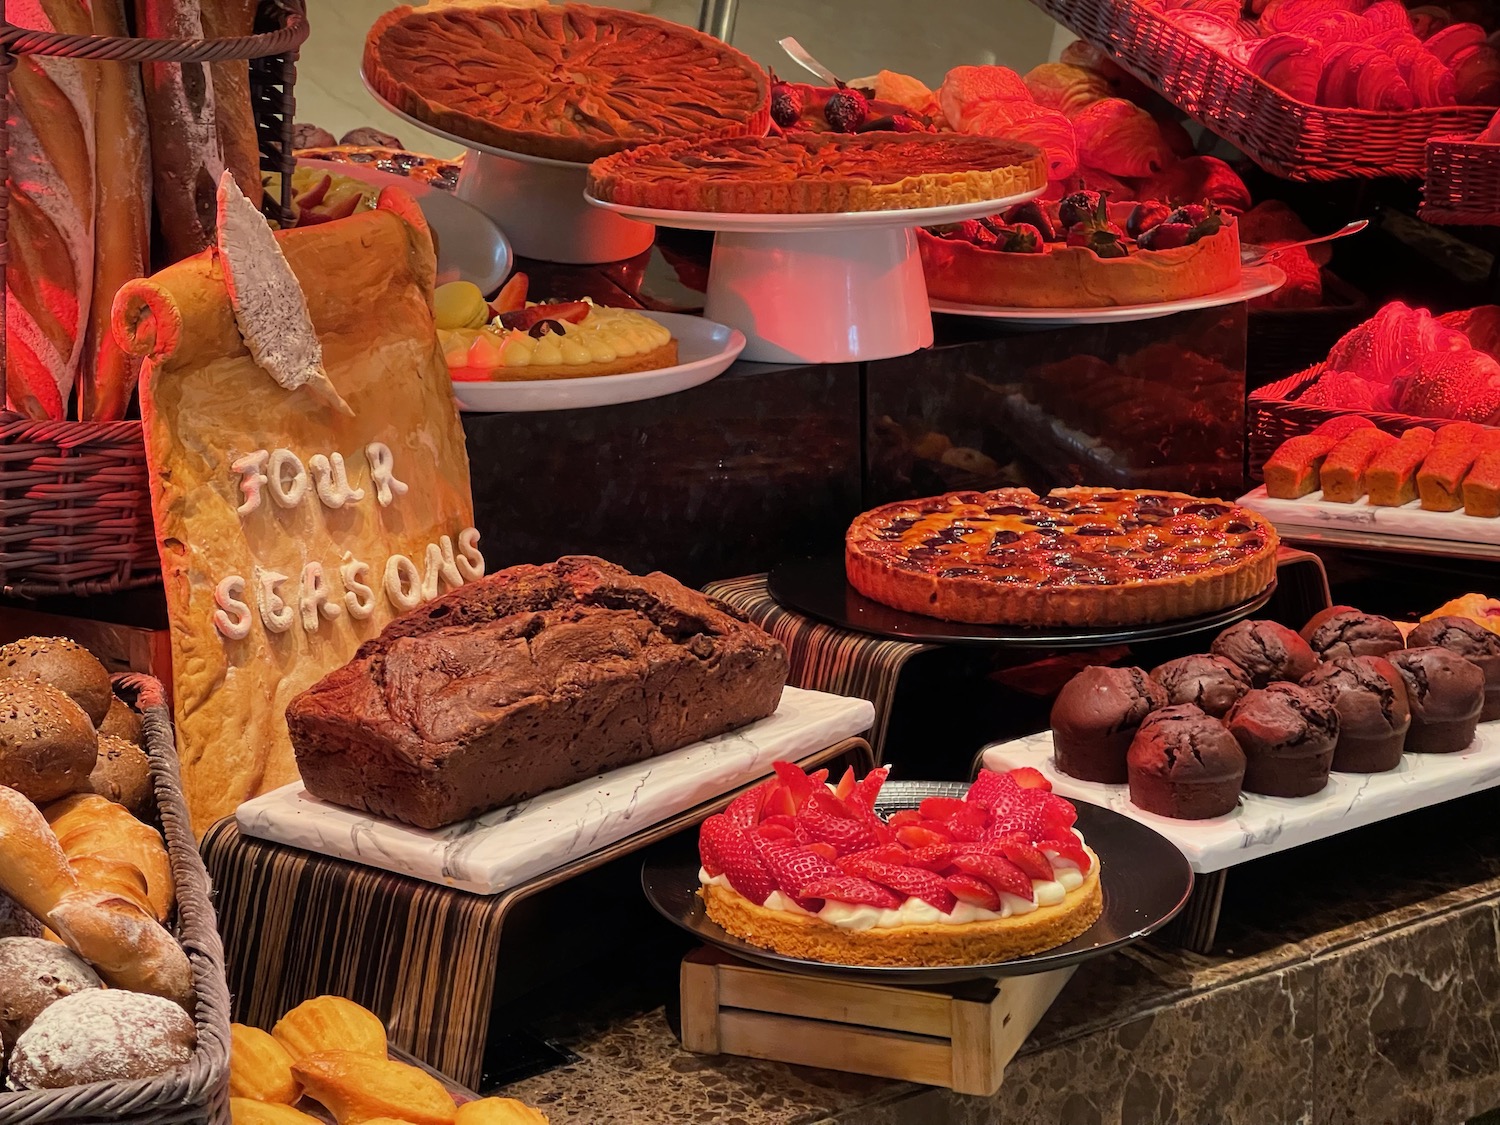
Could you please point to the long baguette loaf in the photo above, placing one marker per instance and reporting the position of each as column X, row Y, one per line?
column 186, row 157
column 125, row 944
column 235, row 116
column 87, row 824
column 51, row 232
column 33, row 868
column 122, row 250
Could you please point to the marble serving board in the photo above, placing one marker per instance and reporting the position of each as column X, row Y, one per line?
column 505, row 848
column 1311, row 514
column 1260, row 825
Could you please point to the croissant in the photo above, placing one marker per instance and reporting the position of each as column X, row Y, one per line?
column 1445, row 44
column 1380, row 86
column 1292, row 63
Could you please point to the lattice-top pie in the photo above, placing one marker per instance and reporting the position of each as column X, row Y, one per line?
column 1075, row 557
column 566, row 81
column 819, row 173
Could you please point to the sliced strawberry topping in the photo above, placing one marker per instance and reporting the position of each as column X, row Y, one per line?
column 997, row 871
column 824, row 817
column 969, row 824
column 827, row 851
column 793, row 866
column 736, row 856
column 913, row 882
column 921, row 836
column 888, row 853
column 845, row 786
column 795, row 783
column 745, row 810
column 1029, row 859
column 775, row 832
column 986, row 788
column 1066, row 845
column 853, row 890
column 973, row 890
column 935, row 858
column 1028, row 778
column 869, row 786
column 778, row 820
column 904, row 819
column 1058, row 813
column 942, row 809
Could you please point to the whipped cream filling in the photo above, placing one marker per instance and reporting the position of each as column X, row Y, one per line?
column 914, row 912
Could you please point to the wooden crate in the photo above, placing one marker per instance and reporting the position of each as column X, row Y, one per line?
column 960, row 1036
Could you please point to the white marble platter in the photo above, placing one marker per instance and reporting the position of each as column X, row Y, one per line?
column 1259, row 825
column 1312, row 516
column 504, row 848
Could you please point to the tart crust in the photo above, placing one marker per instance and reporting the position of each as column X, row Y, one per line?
column 968, row 943
column 565, row 81
column 1018, row 587
column 656, row 358
column 1075, row 277
column 818, row 173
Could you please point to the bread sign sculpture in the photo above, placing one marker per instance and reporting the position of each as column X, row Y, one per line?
column 308, row 473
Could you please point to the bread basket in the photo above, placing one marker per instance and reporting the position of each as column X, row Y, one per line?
column 1463, row 182
column 75, row 506
column 198, row 1091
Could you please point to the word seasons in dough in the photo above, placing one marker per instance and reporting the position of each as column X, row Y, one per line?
column 282, row 600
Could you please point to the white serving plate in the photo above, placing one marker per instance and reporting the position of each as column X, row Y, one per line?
column 1256, row 281
column 470, row 246
column 704, row 350
column 792, row 224
column 1261, row 826
column 1312, row 517
column 504, row 848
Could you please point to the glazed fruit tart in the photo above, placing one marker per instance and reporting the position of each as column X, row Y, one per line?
column 811, row 870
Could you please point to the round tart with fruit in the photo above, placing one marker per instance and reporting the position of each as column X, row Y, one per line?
column 811, row 870
column 1083, row 252
column 565, row 81
column 818, row 173
column 1078, row 557
column 840, row 109
column 509, row 340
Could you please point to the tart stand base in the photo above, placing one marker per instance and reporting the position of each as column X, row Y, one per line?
column 960, row 1036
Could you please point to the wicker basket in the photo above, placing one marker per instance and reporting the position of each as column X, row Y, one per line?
column 1282, row 341
column 75, row 506
column 198, row 1091
column 1463, row 182
column 1289, row 138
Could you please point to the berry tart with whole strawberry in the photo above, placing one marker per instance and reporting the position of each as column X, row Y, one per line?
column 1083, row 252
column 810, row 870
column 840, row 109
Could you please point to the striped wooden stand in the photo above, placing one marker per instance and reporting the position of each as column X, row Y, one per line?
column 961, row 1036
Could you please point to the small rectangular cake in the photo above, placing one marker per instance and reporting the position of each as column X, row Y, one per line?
column 1343, row 473
column 1440, row 479
column 525, row 681
column 1292, row 470
column 1391, row 478
column 1481, row 487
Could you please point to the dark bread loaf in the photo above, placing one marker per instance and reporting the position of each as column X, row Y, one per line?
column 525, row 681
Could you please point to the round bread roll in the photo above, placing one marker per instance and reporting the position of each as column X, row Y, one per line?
column 16, row 920
column 123, row 774
column 121, row 721
column 47, row 745
column 101, row 1035
column 64, row 664
column 34, row 975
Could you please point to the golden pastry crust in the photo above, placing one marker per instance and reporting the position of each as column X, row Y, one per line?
column 968, row 943
column 1119, row 557
column 565, row 81
column 1075, row 277
column 818, row 173
column 654, row 360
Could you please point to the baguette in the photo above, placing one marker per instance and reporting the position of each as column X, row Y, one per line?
column 87, row 824
column 127, row 946
column 186, row 157
column 115, row 876
column 235, row 116
column 122, row 250
column 52, row 202
column 33, row 869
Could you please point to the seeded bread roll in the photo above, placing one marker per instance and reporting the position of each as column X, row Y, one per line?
column 123, row 774
column 65, row 665
column 122, row 721
column 34, row 975
column 47, row 745
column 101, row 1036
column 16, row 920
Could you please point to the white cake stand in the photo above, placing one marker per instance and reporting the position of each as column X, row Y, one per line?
column 819, row 288
column 538, row 202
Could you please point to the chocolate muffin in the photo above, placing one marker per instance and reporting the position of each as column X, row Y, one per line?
column 1370, row 697
column 1267, row 651
column 1094, row 718
column 1210, row 683
column 1474, row 643
column 1446, row 693
column 1288, row 735
column 1183, row 763
column 1342, row 631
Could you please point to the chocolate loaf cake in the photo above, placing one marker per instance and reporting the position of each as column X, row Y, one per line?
column 525, row 681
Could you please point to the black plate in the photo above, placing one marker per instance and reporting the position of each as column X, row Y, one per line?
column 818, row 588
column 1146, row 882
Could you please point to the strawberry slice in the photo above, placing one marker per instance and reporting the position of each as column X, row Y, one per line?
column 913, row 882
column 987, row 788
column 936, row 858
column 1018, row 810
column 1029, row 859
column 823, row 817
column 921, row 836
column 869, row 786
column 942, row 809
column 796, row 783
column 1028, row 778
column 904, row 819
column 853, row 890
column 1058, row 813
column 827, row 851
column 775, row 832
column 845, row 786
column 793, row 866
column 736, row 855
column 969, row 824
column 512, row 295
column 745, row 810
column 973, row 890
column 1066, row 845
column 573, row 312
column 998, row 872
column 886, row 853
column 778, row 820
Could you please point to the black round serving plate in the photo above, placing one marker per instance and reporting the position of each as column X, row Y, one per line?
column 1146, row 881
column 818, row 588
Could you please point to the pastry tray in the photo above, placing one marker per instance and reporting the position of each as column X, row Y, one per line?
column 504, row 848
column 1362, row 524
column 1261, row 826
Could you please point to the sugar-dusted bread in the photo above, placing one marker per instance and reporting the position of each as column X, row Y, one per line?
column 531, row 679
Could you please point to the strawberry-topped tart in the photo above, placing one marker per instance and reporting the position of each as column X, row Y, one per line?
column 810, row 870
